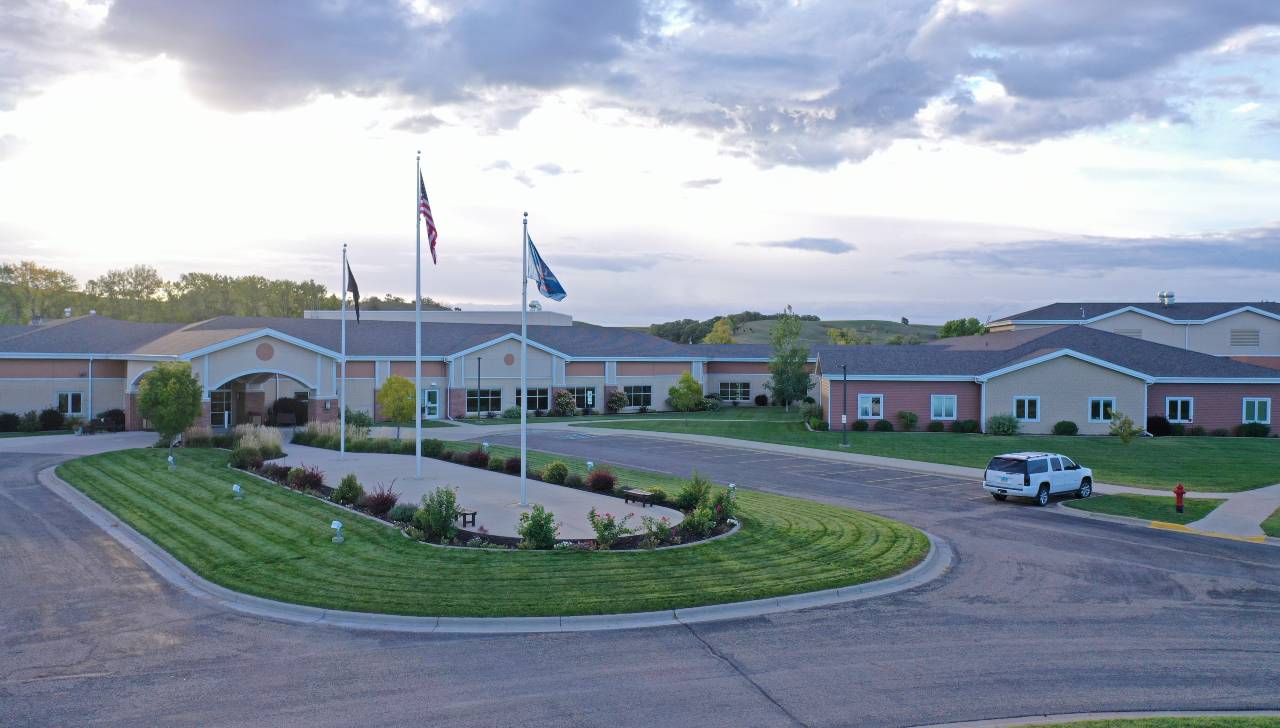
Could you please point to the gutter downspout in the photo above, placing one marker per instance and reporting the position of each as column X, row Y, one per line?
column 982, row 407
column 89, row 415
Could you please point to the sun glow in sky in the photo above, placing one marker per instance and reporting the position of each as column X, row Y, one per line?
column 647, row 212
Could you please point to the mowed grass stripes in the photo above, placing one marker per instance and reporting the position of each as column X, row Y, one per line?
column 276, row 544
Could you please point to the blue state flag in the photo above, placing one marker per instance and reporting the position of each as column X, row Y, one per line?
column 548, row 284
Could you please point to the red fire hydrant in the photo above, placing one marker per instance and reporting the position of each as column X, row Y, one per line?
column 1177, row 496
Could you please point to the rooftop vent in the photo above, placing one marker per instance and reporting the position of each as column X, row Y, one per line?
column 1166, row 298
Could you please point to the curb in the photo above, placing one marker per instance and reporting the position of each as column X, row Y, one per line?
column 936, row 563
column 1031, row 720
column 1162, row 526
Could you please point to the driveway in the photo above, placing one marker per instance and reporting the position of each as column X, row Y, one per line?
column 1042, row 613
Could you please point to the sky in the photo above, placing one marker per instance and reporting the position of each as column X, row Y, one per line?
column 927, row 159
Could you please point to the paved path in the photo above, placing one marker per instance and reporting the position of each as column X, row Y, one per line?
column 1243, row 513
column 1042, row 613
column 494, row 496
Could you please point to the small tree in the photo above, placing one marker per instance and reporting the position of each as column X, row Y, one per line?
column 169, row 397
column 961, row 327
column 845, row 337
column 686, row 395
column 1122, row 427
column 789, row 377
column 397, row 400
column 721, row 332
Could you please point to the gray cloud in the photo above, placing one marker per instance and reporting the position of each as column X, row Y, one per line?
column 698, row 184
column 833, row 246
column 40, row 41
column 419, row 124
column 1254, row 249
column 611, row 263
column 550, row 168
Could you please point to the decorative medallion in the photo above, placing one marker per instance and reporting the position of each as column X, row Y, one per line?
column 265, row 351
column 509, row 359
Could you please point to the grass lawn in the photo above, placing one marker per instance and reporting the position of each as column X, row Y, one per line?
column 1147, row 507
column 276, row 544
column 1243, row 721
column 1207, row 464
column 724, row 414
column 1271, row 526
column 35, row 434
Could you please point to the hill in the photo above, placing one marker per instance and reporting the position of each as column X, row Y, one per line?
column 815, row 332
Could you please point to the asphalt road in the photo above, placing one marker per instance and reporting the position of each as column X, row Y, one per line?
column 1042, row 613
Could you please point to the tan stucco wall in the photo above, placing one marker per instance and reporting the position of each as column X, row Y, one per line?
column 495, row 367
column 20, row 395
column 1215, row 338
column 1064, row 386
column 1152, row 329
column 287, row 358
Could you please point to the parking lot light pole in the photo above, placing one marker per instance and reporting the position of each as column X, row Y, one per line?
column 844, row 408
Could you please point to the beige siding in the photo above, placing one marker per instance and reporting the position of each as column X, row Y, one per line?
column 501, row 361
column 1064, row 386
column 292, row 360
column 21, row 395
column 1215, row 338
column 1152, row 329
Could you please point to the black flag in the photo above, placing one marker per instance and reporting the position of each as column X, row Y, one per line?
column 354, row 290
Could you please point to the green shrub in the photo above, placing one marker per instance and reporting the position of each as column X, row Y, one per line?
column 538, row 528
column 349, row 491
column 511, row 413
column 380, row 501
column 935, row 426
column 432, row 447
column 9, row 422
column 657, row 496
column 601, row 479
column 883, row 426
column 1252, row 429
column 657, row 531
column 609, row 528
column 1002, row 424
column 1220, row 432
column 437, row 516
column 246, row 458
column 695, row 493
column 555, row 472
column 616, row 402
column 1177, row 429
column 964, row 426
column 511, row 466
column 699, row 522
column 1159, row 426
column 51, row 419
column 859, row 426
column 497, row 464
column 819, row 425
column 724, row 505
column 477, row 458
column 563, row 404
column 1196, row 431
column 402, row 513
column 359, row 418
column 1122, row 427
column 908, row 420
column 573, row 480
column 1065, row 427
column 711, row 404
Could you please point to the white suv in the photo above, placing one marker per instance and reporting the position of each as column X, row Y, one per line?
column 1036, row 475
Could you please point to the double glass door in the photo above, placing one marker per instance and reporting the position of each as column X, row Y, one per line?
column 220, row 408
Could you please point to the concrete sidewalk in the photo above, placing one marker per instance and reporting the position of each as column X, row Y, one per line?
column 494, row 496
column 1243, row 513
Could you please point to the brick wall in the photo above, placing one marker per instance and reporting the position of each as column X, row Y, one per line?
column 1215, row 405
column 898, row 396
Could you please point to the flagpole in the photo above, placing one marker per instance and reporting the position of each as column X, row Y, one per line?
column 342, row 391
column 524, row 359
column 417, row 321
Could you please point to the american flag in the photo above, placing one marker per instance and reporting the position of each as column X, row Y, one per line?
column 424, row 209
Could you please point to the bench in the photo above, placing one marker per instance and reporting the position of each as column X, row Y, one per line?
column 635, row 495
column 468, row 517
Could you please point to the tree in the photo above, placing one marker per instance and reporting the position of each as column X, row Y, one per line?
column 899, row 340
column 34, row 291
column 397, row 400
column 1122, row 427
column 686, row 395
column 841, row 337
column 961, row 327
column 721, row 332
column 169, row 397
column 789, row 375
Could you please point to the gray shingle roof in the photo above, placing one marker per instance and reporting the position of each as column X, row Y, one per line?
column 976, row 355
column 85, row 335
column 12, row 330
column 1179, row 311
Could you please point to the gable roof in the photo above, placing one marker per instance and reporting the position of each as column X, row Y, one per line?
column 84, row 335
column 978, row 356
column 1191, row 311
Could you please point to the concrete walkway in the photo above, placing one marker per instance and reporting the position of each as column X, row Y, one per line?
column 77, row 444
column 494, row 496
column 1243, row 513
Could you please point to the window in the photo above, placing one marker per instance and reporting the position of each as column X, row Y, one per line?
column 1246, row 337
column 735, row 391
column 1179, row 409
column 69, row 403
column 870, row 406
column 942, row 406
column 302, row 396
column 484, row 400
column 1257, row 409
column 1101, row 408
column 1037, row 466
column 539, row 399
column 640, row 395
column 1067, row 463
column 583, row 397
column 1056, row 464
column 1026, row 409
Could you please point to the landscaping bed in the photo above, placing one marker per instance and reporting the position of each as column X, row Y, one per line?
column 276, row 543
column 1147, row 507
column 1206, row 464
column 1271, row 526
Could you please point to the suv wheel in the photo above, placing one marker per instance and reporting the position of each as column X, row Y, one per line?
column 999, row 496
column 1042, row 497
column 1086, row 489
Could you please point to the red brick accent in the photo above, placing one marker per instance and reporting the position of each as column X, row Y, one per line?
column 132, row 420
column 255, row 403
column 1215, row 405
column 899, row 396
column 317, row 413
column 457, row 402
column 1271, row 362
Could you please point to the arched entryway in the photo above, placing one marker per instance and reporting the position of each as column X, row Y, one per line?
column 265, row 397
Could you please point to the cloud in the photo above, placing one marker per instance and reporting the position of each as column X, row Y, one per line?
column 610, row 263
column 419, row 124
column 41, row 41
column 550, row 168
column 1253, row 249
column 833, row 246
column 699, row 184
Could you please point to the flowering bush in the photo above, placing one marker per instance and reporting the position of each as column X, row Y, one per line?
column 725, row 506
column 609, row 528
column 657, row 531
column 563, row 404
column 699, row 522
column 305, row 478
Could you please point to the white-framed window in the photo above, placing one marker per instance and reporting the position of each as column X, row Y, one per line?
column 870, row 406
column 539, row 398
column 1026, row 409
column 484, row 400
column 735, row 391
column 1179, row 409
column 1101, row 408
column 942, row 406
column 639, row 395
column 583, row 397
column 1257, row 409
column 70, row 403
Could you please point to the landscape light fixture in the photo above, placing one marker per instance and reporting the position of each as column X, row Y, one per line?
column 337, row 527
column 485, row 445
column 235, row 488
column 590, row 465
column 172, row 464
